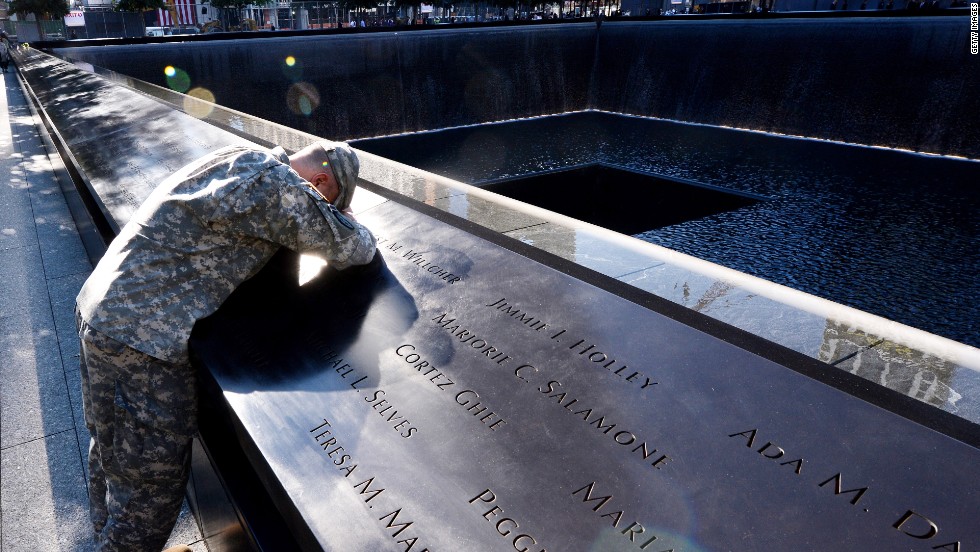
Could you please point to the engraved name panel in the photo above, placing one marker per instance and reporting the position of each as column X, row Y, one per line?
column 463, row 396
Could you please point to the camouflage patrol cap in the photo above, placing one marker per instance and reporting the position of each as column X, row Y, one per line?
column 345, row 166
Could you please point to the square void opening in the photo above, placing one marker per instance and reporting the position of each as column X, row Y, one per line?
column 621, row 200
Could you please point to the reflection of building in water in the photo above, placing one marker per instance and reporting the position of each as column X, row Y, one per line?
column 897, row 367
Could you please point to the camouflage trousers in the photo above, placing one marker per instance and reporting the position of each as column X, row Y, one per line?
column 141, row 413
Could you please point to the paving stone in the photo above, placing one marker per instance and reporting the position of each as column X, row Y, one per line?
column 50, row 205
column 14, row 192
column 26, row 142
column 15, row 187
column 45, row 186
column 16, row 226
column 23, row 281
column 33, row 399
column 43, row 497
column 74, row 379
column 28, row 338
column 63, row 292
column 62, row 252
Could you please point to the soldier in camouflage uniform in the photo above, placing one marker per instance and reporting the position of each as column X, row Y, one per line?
column 200, row 234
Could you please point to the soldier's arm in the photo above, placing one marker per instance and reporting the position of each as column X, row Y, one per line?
column 320, row 228
column 277, row 205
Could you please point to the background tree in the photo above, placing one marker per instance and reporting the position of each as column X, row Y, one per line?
column 42, row 9
column 234, row 7
column 140, row 6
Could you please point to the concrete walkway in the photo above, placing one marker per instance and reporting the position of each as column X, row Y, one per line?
column 43, row 439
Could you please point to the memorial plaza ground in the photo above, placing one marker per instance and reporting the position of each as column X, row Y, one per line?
column 43, row 439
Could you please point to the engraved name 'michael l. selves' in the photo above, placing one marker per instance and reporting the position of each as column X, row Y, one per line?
column 386, row 410
column 332, row 357
column 357, row 382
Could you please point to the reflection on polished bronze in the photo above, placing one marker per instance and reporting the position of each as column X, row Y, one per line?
column 900, row 368
column 519, row 406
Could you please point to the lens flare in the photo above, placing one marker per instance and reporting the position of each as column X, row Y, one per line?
column 177, row 79
column 292, row 68
column 303, row 98
column 199, row 102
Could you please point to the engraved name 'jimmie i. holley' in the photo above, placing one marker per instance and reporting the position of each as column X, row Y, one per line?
column 590, row 352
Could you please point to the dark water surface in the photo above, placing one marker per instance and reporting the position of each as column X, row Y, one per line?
column 888, row 232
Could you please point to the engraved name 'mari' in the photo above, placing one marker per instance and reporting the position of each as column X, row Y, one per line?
column 633, row 532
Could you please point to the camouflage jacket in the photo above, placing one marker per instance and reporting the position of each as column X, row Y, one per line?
column 200, row 234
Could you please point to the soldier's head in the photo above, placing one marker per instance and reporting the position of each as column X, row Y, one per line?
column 331, row 167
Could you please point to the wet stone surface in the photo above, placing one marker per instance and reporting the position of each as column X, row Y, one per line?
column 888, row 232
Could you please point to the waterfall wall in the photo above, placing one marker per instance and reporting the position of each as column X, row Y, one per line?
column 905, row 82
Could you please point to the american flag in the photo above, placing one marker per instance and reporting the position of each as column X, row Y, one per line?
column 186, row 13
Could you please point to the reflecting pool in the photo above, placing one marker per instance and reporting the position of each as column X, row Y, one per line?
column 893, row 233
